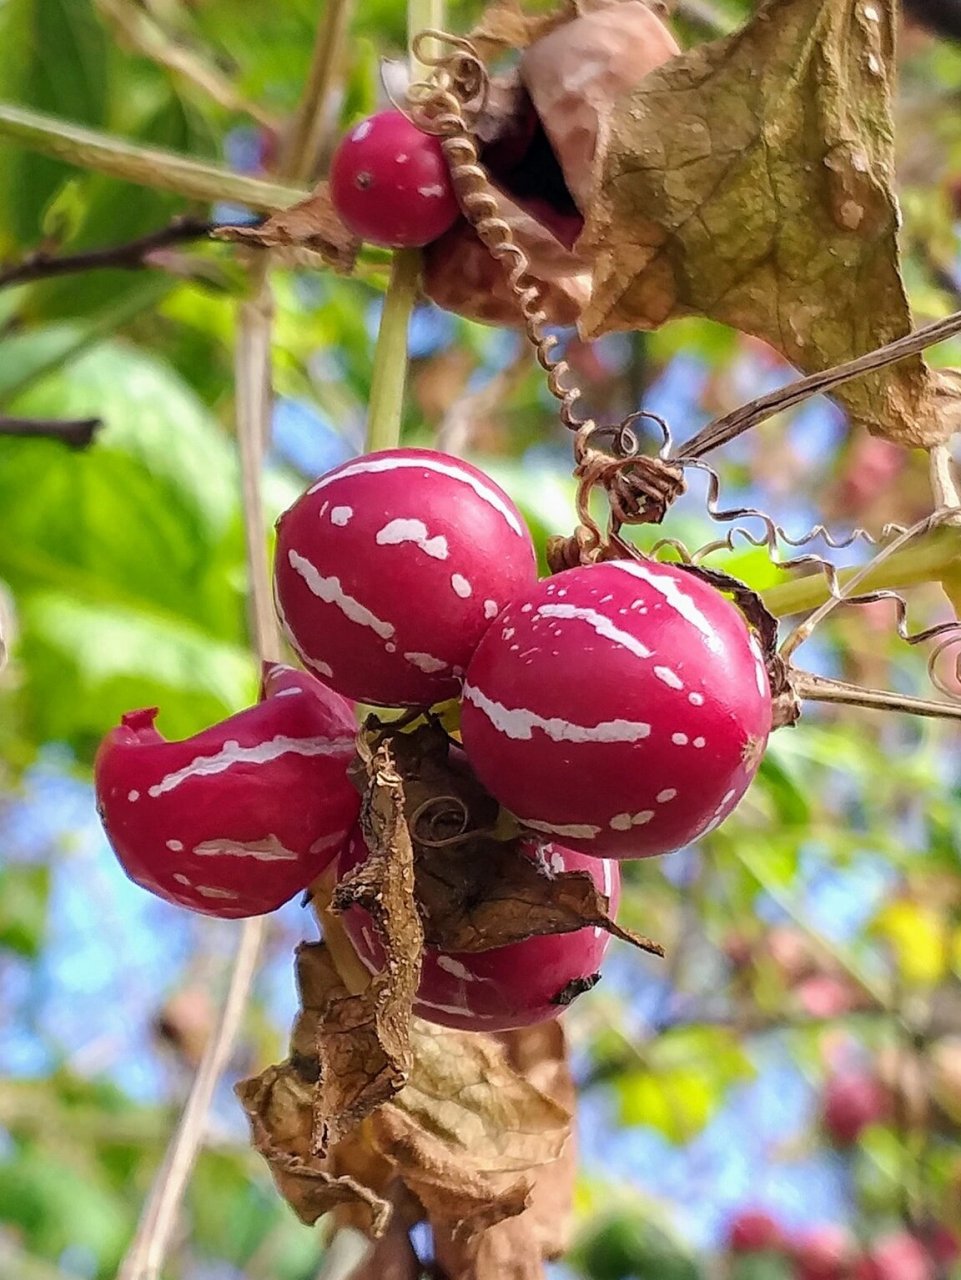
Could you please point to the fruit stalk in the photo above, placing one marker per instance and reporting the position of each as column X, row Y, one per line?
column 389, row 374
column 149, row 166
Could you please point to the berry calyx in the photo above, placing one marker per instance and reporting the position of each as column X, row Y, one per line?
column 511, row 986
column 244, row 815
column 621, row 708
column 390, row 568
column 390, row 183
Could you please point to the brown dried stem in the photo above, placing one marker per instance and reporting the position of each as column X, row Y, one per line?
column 78, row 433
column 304, row 142
column 722, row 430
column 132, row 256
column 144, row 34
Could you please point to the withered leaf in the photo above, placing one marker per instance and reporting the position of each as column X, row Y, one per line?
column 469, row 1131
column 311, row 224
column 751, row 180
column 488, row 894
column 506, row 25
column 279, row 1107
column 514, row 1248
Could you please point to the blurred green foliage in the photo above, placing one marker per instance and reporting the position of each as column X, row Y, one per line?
column 124, row 571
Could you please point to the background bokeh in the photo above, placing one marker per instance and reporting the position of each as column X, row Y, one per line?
column 816, row 936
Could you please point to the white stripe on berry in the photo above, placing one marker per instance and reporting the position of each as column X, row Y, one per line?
column 598, row 623
column 331, row 592
column 674, row 598
column 518, row 723
column 269, row 849
column 669, row 677
column 426, row 662
column 373, row 465
column 400, row 530
column 461, row 586
column 232, row 753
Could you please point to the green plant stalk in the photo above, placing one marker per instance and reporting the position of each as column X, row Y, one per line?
column 389, row 375
column 936, row 555
column 148, row 166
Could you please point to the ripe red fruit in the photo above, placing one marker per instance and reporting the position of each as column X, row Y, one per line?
column 621, row 707
column 851, row 1103
column 824, row 1253
column 390, row 183
column 240, row 818
column 513, row 986
column 390, row 569
column 754, row 1231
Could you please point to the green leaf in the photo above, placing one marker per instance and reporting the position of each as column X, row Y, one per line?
column 24, row 891
column 689, row 1072
column 626, row 1247
column 86, row 664
column 61, row 64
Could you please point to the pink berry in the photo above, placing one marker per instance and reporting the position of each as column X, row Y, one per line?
column 240, row 818
column 824, row 1253
column 513, row 986
column 754, row 1231
column 851, row 1103
column 898, row 1256
column 390, row 183
column 621, row 707
column 390, row 569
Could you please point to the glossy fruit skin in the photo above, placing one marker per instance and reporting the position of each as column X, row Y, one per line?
column 506, row 987
column 390, row 183
column 390, row 568
column 241, row 817
column 621, row 708
column 851, row 1103
column 754, row 1231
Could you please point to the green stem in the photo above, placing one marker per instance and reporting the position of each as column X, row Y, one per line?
column 421, row 16
column 390, row 355
column 148, row 166
column 931, row 557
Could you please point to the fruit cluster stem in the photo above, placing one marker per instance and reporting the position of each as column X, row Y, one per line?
column 389, row 376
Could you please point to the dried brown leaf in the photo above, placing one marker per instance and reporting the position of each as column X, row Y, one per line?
column 279, row 1107
column 362, row 1040
column 751, row 180
column 514, row 1249
column 312, row 224
column 506, row 26
column 488, row 894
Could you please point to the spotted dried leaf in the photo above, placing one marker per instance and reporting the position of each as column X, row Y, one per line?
column 506, row 25
column 751, row 180
column 311, row 224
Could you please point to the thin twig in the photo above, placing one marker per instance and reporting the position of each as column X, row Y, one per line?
column 300, row 153
column 158, row 1223
column 133, row 255
column 252, row 373
column 722, row 430
column 148, row 37
column 824, row 689
column 78, row 433
column 146, row 1256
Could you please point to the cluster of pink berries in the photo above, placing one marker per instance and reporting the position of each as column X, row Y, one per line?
column 620, row 709
column 831, row 1253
